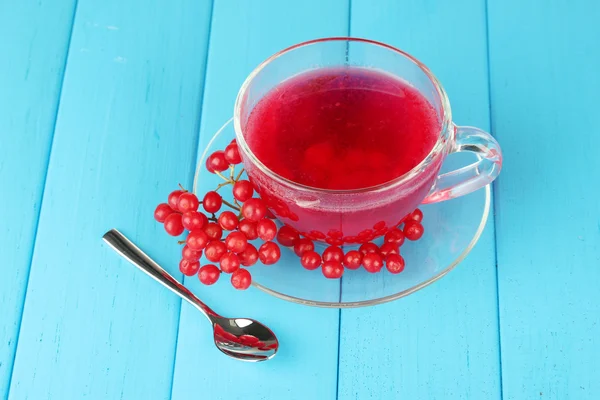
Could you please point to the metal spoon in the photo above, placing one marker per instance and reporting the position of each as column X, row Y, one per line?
column 241, row 338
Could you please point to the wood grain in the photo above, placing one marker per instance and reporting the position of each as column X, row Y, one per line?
column 93, row 326
column 33, row 48
column 545, row 85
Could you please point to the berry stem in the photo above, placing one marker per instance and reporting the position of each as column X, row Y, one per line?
column 237, row 178
column 220, row 185
column 223, row 177
column 181, row 187
column 228, row 204
column 231, row 170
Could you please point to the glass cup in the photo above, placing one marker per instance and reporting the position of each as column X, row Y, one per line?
column 360, row 215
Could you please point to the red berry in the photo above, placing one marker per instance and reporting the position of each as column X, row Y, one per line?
column 372, row 262
column 173, row 224
column 229, row 262
column 217, row 162
column 413, row 230
column 416, row 216
column 187, row 202
column 189, row 267
column 209, row 274
column 368, row 248
column 212, row 202
column 310, row 260
column 243, row 190
column 287, row 236
column 236, row 242
column 162, row 211
column 266, row 229
column 174, row 198
column 213, row 231
column 232, row 154
column 189, row 254
column 194, row 220
column 394, row 263
column 269, row 253
column 254, row 209
column 388, row 248
column 228, row 220
column 248, row 228
column 303, row 245
column 395, row 236
column 241, row 279
column 333, row 253
column 196, row 240
column 249, row 256
column 333, row 269
column 353, row 259
column 215, row 250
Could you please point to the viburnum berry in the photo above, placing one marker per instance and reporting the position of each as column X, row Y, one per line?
column 269, row 253
column 266, row 229
column 248, row 228
column 194, row 220
column 310, row 260
column 173, row 224
column 395, row 236
column 394, row 263
column 387, row 249
column 241, row 279
column 236, row 242
column 332, row 269
column 214, row 250
column 368, row 248
column 213, row 231
column 196, row 240
column 372, row 262
column 254, row 209
column 189, row 254
column 303, row 245
column 353, row 259
column 416, row 216
column 173, row 199
column 249, row 256
column 212, row 202
column 232, row 154
column 413, row 230
column 189, row 267
column 162, row 211
column 286, row 236
column 217, row 162
column 243, row 190
column 228, row 220
column 187, row 202
column 333, row 253
column 209, row 274
column 229, row 263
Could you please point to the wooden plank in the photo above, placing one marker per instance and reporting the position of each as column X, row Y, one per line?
column 243, row 34
column 544, row 85
column 93, row 326
column 442, row 342
column 31, row 71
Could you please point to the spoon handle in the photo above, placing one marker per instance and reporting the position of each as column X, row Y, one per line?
column 137, row 257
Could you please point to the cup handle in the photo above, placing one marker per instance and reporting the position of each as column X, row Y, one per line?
column 471, row 177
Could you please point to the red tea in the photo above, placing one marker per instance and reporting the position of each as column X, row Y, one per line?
column 342, row 128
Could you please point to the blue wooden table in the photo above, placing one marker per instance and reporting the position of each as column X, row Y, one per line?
column 103, row 107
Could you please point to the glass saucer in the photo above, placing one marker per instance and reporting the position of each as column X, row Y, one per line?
column 452, row 228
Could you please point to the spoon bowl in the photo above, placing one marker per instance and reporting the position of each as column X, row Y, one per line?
column 241, row 338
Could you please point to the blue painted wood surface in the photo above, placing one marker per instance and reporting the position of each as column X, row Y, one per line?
column 147, row 83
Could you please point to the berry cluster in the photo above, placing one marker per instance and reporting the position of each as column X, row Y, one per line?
column 224, row 239
column 371, row 256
